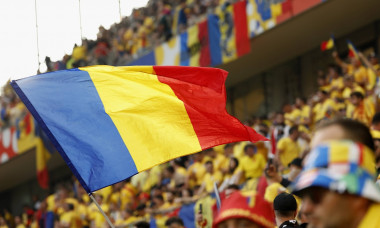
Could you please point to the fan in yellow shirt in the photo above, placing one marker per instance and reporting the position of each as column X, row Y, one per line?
column 18, row 222
column 96, row 218
column 69, row 218
column 196, row 171
column 288, row 149
column 253, row 163
column 326, row 107
column 212, row 176
column 363, row 112
column 126, row 218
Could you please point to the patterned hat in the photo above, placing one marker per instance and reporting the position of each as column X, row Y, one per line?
column 252, row 207
column 341, row 166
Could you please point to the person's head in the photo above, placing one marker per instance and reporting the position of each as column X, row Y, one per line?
column 321, row 80
column 209, row 167
column 228, row 149
column 348, row 81
column 250, row 149
column 174, row 222
column 68, row 207
column 168, row 172
column 18, row 220
column 322, row 95
column 158, row 200
column 338, row 129
column 356, row 98
column 231, row 189
column 99, row 198
column 294, row 133
column 336, row 185
column 279, row 118
column 141, row 224
column 333, row 71
column 285, row 207
column 141, row 209
column 239, row 210
column 300, row 102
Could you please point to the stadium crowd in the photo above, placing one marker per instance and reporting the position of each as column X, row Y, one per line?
column 255, row 178
column 137, row 34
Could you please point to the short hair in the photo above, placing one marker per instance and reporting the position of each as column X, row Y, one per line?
column 376, row 118
column 209, row 162
column 335, row 67
column 357, row 94
column 142, row 224
column 293, row 129
column 174, row 220
column 170, row 169
column 249, row 146
column 284, row 214
column 233, row 186
column 353, row 130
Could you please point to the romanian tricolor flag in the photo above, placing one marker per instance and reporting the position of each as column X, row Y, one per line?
column 110, row 123
column 352, row 52
column 327, row 45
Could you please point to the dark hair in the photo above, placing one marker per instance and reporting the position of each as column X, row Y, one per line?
column 170, row 169
column 142, row 224
column 353, row 130
column 284, row 214
column 208, row 162
column 228, row 145
column 357, row 94
column 233, row 186
column 249, row 146
column 335, row 67
column 293, row 129
column 160, row 197
column 237, row 164
column 376, row 118
column 70, row 206
column 172, row 220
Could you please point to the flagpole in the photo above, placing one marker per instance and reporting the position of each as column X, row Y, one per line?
column 38, row 47
column 80, row 21
column 101, row 211
column 120, row 11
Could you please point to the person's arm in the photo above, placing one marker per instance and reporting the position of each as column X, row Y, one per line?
column 338, row 60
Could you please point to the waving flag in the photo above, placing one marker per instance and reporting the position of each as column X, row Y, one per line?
column 110, row 123
column 327, row 45
column 352, row 52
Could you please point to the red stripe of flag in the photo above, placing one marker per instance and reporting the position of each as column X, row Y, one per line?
column 243, row 44
column 205, row 102
column 205, row 58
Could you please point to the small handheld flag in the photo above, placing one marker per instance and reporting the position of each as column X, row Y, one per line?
column 110, row 123
column 328, row 44
column 352, row 52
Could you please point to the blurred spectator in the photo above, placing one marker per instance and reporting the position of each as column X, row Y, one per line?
column 288, row 149
column 285, row 210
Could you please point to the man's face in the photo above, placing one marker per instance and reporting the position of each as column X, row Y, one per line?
column 333, row 132
column 238, row 223
column 355, row 100
column 328, row 209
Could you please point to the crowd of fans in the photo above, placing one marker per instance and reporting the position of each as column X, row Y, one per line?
column 348, row 91
column 137, row 34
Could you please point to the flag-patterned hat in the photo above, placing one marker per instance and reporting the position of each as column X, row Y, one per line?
column 341, row 166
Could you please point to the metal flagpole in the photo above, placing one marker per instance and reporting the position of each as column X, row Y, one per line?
column 80, row 21
column 101, row 211
column 38, row 47
column 120, row 11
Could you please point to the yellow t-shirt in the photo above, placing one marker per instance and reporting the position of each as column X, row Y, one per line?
column 82, row 213
column 70, row 218
column 254, row 166
column 372, row 218
column 289, row 150
column 324, row 110
column 95, row 215
column 219, row 161
column 199, row 170
column 337, row 84
column 273, row 190
column 21, row 226
column 293, row 117
column 209, row 180
column 305, row 113
column 360, row 75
